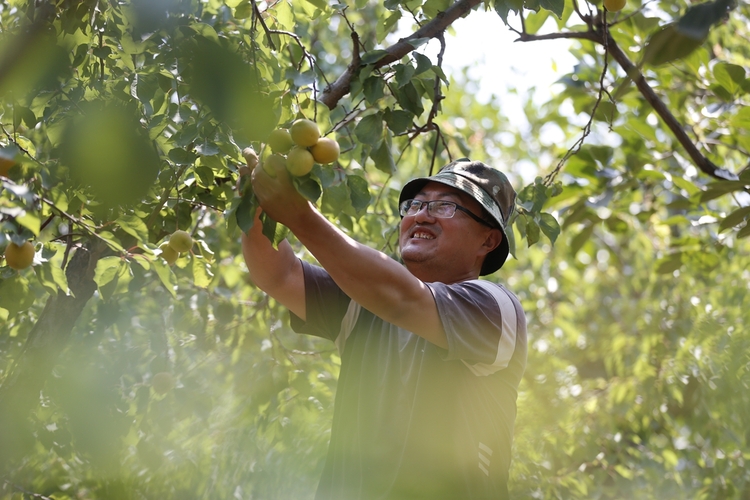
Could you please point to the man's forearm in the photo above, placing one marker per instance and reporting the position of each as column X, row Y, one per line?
column 277, row 272
column 374, row 280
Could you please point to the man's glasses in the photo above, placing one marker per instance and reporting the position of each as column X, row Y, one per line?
column 437, row 208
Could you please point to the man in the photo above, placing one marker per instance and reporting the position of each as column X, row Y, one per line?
column 431, row 357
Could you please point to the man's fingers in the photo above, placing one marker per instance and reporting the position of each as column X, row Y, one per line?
column 251, row 158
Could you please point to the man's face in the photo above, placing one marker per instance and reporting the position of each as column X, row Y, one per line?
column 445, row 250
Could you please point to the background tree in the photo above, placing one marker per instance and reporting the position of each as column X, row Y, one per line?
column 122, row 376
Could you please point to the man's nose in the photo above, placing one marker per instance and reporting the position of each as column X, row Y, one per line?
column 423, row 213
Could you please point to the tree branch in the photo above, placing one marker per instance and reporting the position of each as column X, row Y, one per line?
column 704, row 164
column 700, row 161
column 338, row 89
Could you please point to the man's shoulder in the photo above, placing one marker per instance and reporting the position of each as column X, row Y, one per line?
column 485, row 287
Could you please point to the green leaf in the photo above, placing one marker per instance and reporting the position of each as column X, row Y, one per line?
column 106, row 270
column 383, row 158
column 327, row 176
column 532, row 231
column 369, row 130
column 15, row 294
column 577, row 242
column 308, row 187
column 624, row 471
column 201, row 271
column 423, row 63
column 134, row 226
column 729, row 76
column 554, row 6
column 182, row 157
column 243, row 10
column 404, row 74
column 735, row 218
column 52, row 277
column 669, row 44
column 685, row 184
column 106, row 149
column 384, row 27
column 167, row 278
column 245, row 213
column 720, row 188
column 373, row 89
column 359, row 191
column 409, row 99
column 550, row 227
column 336, row 198
column 432, row 8
column 510, row 235
column 670, row 458
column 535, row 21
column 505, row 7
column 669, row 264
column 272, row 230
column 698, row 19
column 606, row 111
column 742, row 118
column 30, row 221
column 398, row 120
column 373, row 56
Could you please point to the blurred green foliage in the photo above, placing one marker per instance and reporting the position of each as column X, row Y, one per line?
column 125, row 121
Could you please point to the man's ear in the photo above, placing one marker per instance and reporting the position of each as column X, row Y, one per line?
column 493, row 239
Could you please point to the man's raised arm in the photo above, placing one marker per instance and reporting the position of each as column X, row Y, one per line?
column 278, row 272
column 375, row 281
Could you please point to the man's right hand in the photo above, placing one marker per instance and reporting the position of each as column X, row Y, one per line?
column 278, row 197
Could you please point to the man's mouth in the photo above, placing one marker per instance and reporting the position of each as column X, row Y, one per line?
column 422, row 235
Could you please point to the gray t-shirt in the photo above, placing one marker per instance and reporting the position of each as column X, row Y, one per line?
column 413, row 420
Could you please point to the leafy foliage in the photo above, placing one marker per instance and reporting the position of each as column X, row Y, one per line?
column 123, row 122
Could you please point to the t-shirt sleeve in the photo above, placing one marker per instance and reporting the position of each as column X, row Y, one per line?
column 483, row 322
column 325, row 304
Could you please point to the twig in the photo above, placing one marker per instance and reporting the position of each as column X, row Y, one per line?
column 259, row 17
column 550, row 178
column 27, row 492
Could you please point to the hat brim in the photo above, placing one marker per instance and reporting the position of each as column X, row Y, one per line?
column 496, row 258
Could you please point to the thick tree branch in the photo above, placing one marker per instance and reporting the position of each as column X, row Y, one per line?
column 700, row 161
column 338, row 89
column 704, row 164
column 20, row 389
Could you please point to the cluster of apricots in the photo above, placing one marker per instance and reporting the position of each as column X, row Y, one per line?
column 179, row 242
column 296, row 149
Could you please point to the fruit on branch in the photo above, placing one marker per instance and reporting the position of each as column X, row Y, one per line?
column 168, row 253
column 5, row 165
column 280, row 140
column 325, row 151
column 19, row 257
column 305, row 133
column 181, row 241
column 295, row 150
column 299, row 161
column 273, row 162
column 163, row 382
column 614, row 5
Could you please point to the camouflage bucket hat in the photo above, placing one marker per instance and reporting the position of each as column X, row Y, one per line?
column 490, row 187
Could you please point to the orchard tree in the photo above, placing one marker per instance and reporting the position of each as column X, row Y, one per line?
column 137, row 361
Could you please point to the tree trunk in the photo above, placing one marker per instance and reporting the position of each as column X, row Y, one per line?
column 20, row 391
